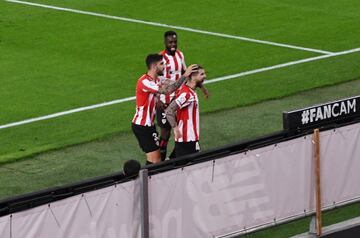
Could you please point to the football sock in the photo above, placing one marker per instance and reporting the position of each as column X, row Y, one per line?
column 163, row 146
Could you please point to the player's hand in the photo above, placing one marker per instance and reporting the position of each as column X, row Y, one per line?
column 191, row 69
column 166, row 82
column 160, row 105
column 177, row 133
column 205, row 92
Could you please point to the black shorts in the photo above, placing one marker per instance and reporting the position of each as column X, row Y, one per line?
column 147, row 137
column 186, row 148
column 161, row 119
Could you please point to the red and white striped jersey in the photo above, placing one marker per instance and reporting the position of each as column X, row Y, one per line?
column 187, row 116
column 174, row 67
column 146, row 90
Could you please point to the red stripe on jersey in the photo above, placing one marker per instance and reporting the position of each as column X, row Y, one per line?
column 167, row 67
column 194, row 120
column 152, row 107
column 136, row 114
column 185, row 125
column 167, row 98
column 176, row 62
column 145, row 113
column 145, row 102
column 183, row 67
column 179, row 54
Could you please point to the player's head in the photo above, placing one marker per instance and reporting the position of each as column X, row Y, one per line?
column 170, row 41
column 155, row 62
column 131, row 167
column 199, row 76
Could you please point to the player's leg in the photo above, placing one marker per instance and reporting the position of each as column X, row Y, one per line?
column 165, row 131
column 153, row 157
column 173, row 154
column 148, row 140
column 164, row 140
column 186, row 148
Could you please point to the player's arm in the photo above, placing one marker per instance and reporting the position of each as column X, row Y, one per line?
column 170, row 88
column 183, row 64
column 205, row 91
column 170, row 112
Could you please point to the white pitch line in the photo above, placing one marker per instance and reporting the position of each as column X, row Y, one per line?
column 122, row 100
column 59, row 114
column 281, row 66
column 173, row 27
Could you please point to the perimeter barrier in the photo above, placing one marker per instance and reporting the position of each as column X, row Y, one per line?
column 224, row 192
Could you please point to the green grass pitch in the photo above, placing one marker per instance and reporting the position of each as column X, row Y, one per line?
column 55, row 61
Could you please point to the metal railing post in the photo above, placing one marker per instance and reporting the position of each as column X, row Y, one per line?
column 316, row 141
column 144, row 203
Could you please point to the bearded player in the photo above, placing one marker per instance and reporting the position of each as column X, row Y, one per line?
column 183, row 115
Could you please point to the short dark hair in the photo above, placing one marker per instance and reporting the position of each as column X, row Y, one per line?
column 170, row 33
column 152, row 58
column 131, row 167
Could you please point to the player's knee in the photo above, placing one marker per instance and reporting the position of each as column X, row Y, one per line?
column 154, row 156
column 165, row 134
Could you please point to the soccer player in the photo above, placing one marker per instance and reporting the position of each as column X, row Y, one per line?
column 183, row 115
column 146, row 90
column 175, row 66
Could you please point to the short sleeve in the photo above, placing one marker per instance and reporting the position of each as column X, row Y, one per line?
column 149, row 86
column 183, row 61
column 183, row 100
